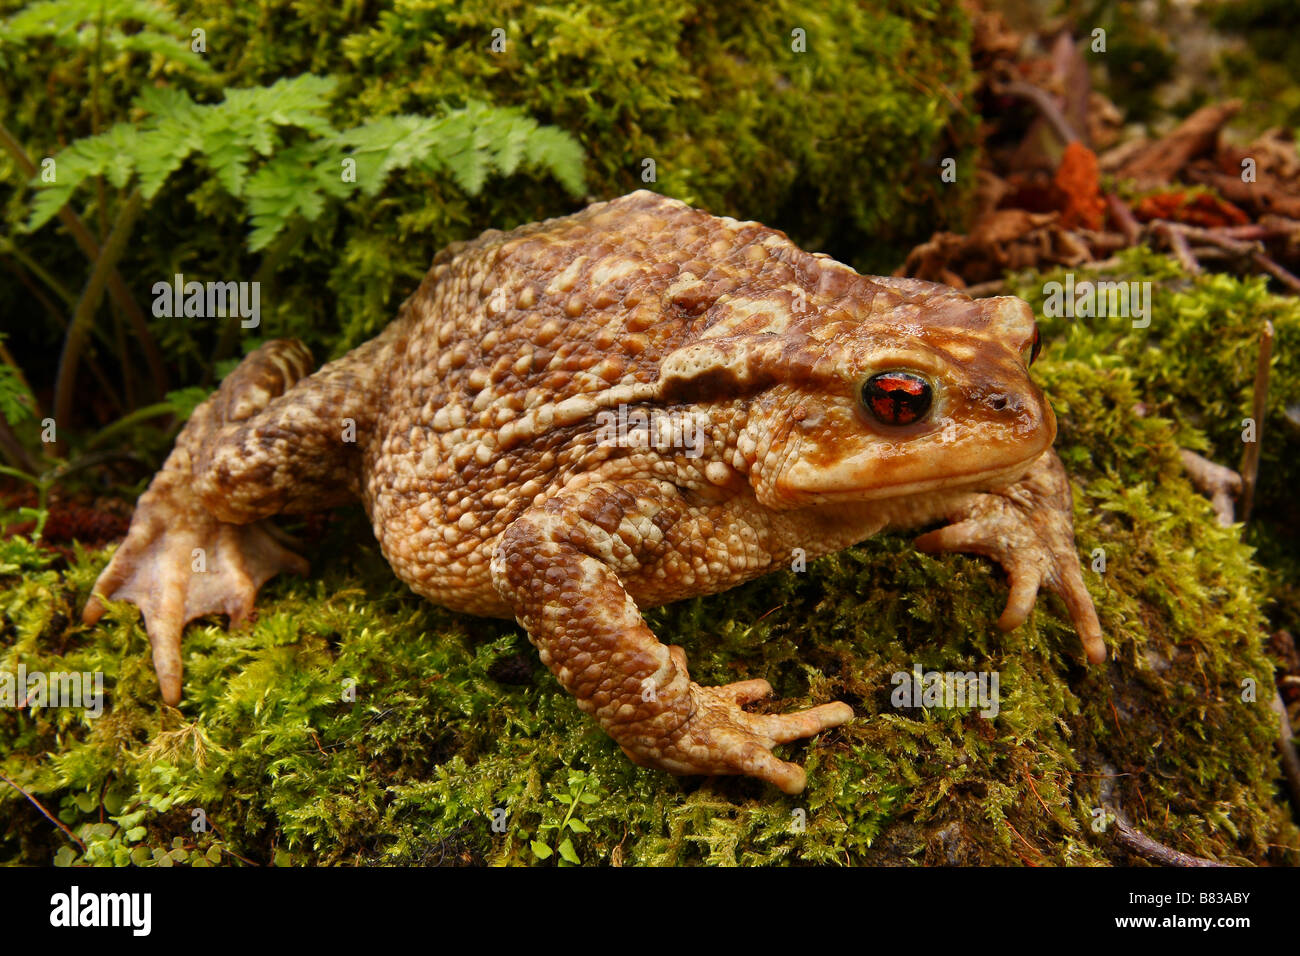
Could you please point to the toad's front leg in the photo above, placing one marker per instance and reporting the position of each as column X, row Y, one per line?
column 561, row 567
column 1028, row 528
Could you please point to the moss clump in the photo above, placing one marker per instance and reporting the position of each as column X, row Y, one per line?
column 1262, row 70
column 828, row 120
column 454, row 725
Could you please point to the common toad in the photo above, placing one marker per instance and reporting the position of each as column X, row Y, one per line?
column 610, row 411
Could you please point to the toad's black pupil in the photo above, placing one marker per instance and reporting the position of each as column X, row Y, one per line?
column 897, row 398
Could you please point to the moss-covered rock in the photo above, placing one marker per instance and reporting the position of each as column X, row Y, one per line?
column 452, row 725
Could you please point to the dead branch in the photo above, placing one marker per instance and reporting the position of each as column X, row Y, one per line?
column 1225, row 238
column 1160, row 161
column 1178, row 242
column 1286, row 748
column 1044, row 101
column 1221, row 484
column 1124, row 216
column 1250, row 455
column 1136, row 841
column 46, row 813
column 1278, row 272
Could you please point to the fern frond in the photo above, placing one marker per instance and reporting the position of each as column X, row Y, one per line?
column 108, row 154
column 16, row 402
column 296, row 179
column 75, row 23
column 296, row 182
column 469, row 144
column 384, row 145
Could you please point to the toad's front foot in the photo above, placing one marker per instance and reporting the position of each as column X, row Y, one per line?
column 1028, row 528
column 719, row 737
column 179, row 563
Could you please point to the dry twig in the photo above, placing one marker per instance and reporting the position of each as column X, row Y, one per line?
column 1286, row 748
column 1228, row 238
column 1250, row 455
column 1136, row 841
column 1120, row 212
column 1178, row 242
column 1223, row 485
column 1045, row 102
column 46, row 813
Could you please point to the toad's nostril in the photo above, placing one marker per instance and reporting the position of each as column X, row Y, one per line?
column 999, row 402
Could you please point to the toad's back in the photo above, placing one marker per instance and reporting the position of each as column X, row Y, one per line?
column 501, row 360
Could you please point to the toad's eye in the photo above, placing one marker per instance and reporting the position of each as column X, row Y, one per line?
column 897, row 398
column 1036, row 346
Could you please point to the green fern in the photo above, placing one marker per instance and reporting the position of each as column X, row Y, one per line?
column 299, row 177
column 16, row 402
column 74, row 24
column 295, row 182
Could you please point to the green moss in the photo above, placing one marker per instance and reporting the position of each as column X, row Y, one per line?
column 1262, row 71
column 1138, row 58
column 454, row 720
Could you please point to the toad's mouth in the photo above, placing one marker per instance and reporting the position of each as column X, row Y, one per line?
column 989, row 477
column 837, row 486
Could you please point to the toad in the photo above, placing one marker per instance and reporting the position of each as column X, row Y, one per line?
column 632, row 405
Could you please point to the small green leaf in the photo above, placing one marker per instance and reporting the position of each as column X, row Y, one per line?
column 160, row 802
column 541, row 850
column 567, row 851
column 114, row 801
column 130, row 819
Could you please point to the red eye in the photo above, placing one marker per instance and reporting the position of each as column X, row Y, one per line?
column 1035, row 347
column 897, row 398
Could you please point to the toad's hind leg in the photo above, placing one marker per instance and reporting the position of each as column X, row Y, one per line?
column 272, row 439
